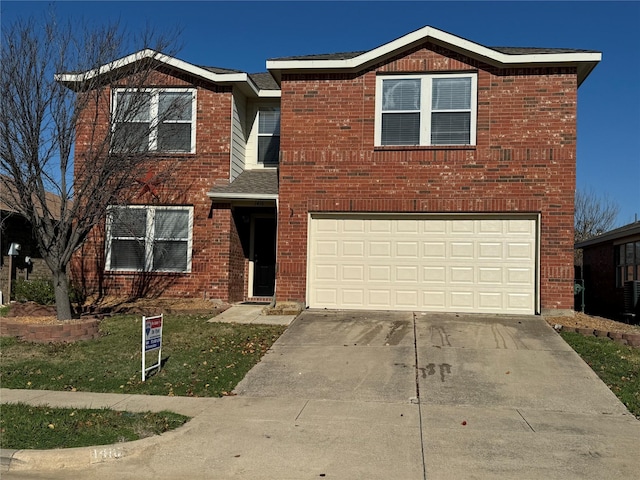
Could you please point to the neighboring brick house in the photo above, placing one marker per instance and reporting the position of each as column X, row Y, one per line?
column 430, row 173
column 611, row 272
column 15, row 228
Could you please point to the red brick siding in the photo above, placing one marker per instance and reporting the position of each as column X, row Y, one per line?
column 524, row 160
column 189, row 177
column 63, row 332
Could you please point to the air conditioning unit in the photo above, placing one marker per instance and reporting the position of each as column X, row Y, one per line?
column 632, row 297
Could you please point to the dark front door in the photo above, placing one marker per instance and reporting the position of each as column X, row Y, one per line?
column 264, row 256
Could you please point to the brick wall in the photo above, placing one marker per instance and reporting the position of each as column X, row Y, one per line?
column 186, row 180
column 62, row 332
column 524, row 160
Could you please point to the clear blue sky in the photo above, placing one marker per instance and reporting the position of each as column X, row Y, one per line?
column 242, row 35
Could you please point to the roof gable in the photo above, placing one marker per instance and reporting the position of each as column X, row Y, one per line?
column 215, row 75
column 504, row 57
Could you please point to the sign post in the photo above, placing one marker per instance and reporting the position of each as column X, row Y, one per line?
column 151, row 340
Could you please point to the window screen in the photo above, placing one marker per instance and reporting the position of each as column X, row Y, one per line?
column 268, row 136
column 149, row 239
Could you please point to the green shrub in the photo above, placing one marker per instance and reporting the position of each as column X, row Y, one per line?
column 39, row 291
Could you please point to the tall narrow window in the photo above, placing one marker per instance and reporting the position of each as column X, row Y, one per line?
column 133, row 122
column 268, row 136
column 627, row 262
column 401, row 112
column 451, row 111
column 174, row 121
column 127, row 239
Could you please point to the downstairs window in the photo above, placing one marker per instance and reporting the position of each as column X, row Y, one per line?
column 149, row 238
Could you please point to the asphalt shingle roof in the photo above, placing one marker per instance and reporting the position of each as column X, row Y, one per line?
column 534, row 50
column 220, row 70
column 260, row 182
column 505, row 50
column 323, row 56
column 264, row 81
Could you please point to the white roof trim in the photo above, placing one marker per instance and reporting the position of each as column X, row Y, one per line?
column 474, row 49
column 269, row 94
column 171, row 61
column 243, row 196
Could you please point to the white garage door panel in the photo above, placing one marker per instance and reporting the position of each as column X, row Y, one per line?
column 423, row 263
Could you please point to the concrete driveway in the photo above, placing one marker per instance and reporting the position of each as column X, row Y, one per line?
column 489, row 396
column 387, row 395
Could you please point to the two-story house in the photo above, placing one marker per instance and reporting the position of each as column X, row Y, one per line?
column 430, row 173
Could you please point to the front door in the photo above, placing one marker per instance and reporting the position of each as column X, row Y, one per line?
column 264, row 256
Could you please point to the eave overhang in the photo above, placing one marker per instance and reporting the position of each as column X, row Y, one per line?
column 629, row 232
column 242, row 196
column 585, row 62
column 243, row 81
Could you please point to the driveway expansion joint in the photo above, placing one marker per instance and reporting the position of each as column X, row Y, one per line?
column 417, row 372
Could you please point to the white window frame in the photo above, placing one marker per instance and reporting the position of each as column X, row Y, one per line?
column 148, row 239
column 425, row 106
column 155, row 100
column 259, row 135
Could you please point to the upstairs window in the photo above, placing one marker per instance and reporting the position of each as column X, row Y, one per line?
column 149, row 238
column 423, row 110
column 268, row 136
column 154, row 120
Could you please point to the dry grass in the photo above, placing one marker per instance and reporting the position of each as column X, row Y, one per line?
column 188, row 306
column 581, row 320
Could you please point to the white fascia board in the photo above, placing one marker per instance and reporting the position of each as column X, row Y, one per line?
column 243, row 196
column 167, row 60
column 421, row 35
column 269, row 94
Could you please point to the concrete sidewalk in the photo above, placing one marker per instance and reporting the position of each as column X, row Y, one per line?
column 252, row 314
column 379, row 395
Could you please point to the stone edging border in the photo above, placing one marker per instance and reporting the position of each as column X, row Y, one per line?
column 62, row 332
column 630, row 339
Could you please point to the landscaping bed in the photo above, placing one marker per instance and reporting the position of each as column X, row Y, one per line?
column 588, row 325
column 32, row 322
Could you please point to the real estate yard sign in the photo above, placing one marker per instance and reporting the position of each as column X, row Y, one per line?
column 151, row 340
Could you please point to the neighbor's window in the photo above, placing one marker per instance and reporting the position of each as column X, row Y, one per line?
column 627, row 262
column 426, row 109
column 154, row 120
column 149, row 238
column 268, row 135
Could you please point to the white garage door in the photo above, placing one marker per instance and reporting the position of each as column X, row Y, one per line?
column 430, row 263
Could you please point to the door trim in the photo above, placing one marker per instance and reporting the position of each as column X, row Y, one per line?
column 252, row 236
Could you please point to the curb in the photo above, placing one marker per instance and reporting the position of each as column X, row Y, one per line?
column 81, row 457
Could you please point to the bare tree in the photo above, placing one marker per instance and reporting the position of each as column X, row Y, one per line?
column 594, row 214
column 67, row 134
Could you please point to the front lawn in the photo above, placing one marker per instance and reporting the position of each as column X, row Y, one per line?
column 199, row 358
column 617, row 365
column 25, row 426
